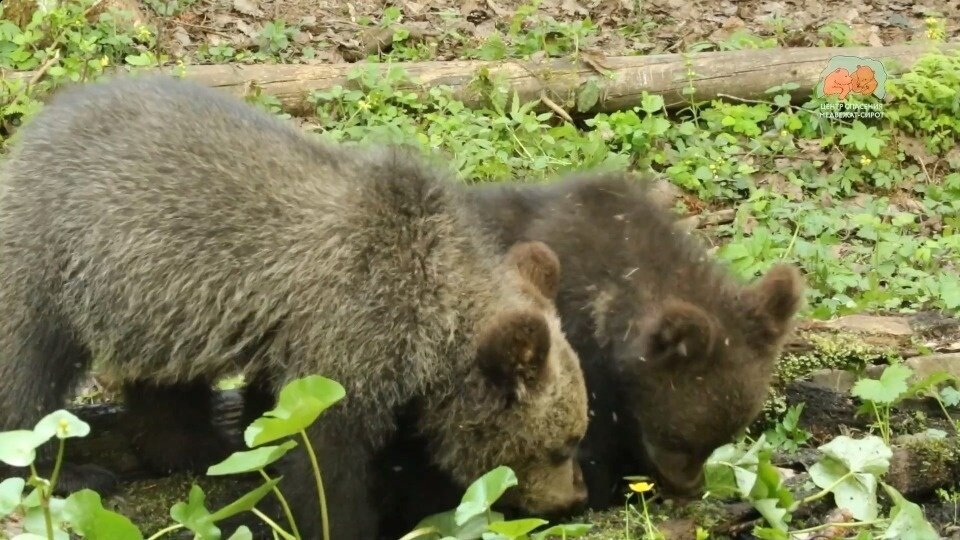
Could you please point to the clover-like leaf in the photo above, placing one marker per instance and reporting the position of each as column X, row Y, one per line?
column 194, row 515
column 300, row 403
column 483, row 492
column 246, row 502
column 907, row 519
column 88, row 518
column 445, row 523
column 251, row 460
column 242, row 533
column 565, row 530
column 888, row 389
column 18, row 448
column 62, row 425
column 11, row 493
column 34, row 520
column 516, row 528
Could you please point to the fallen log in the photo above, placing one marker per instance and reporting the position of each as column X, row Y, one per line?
column 746, row 74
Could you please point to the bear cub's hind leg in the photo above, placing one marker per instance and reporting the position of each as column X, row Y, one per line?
column 172, row 426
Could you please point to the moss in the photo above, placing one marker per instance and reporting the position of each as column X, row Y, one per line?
column 837, row 350
column 933, row 457
column 147, row 502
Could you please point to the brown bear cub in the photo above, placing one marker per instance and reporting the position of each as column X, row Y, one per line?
column 677, row 354
column 175, row 235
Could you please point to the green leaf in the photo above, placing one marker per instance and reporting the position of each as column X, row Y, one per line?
column 950, row 291
column 851, row 468
column 246, row 502
column 651, row 103
column 62, row 425
column 929, row 383
column 516, row 528
column 772, row 512
column 950, row 396
column 485, row 491
column 88, row 518
column 568, row 530
column 588, row 95
column 194, row 515
column 300, row 403
column 907, row 519
column 888, row 389
column 446, row 525
column 35, row 522
column 251, row 460
column 11, row 492
column 18, row 448
column 242, row 533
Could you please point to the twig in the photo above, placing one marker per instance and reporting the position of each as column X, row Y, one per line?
column 554, row 107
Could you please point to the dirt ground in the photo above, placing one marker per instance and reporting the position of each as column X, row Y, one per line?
column 626, row 27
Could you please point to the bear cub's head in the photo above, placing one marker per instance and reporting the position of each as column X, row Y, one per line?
column 524, row 404
column 695, row 378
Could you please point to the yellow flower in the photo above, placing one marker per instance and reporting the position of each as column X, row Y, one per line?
column 641, row 487
column 104, row 61
column 864, row 160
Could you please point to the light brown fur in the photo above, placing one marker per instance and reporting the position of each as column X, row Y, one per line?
column 178, row 235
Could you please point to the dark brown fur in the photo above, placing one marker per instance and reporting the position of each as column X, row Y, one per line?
column 677, row 354
column 178, row 235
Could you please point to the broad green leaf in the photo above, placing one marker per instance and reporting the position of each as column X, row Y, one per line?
column 568, row 530
column 929, row 383
column 888, row 389
column 516, row 528
column 482, row 493
column 62, row 425
column 719, row 477
column 246, row 502
column 950, row 396
column 242, row 533
column 194, row 515
column 35, row 522
column 772, row 512
column 588, row 95
column 251, row 460
column 907, row 519
column 950, row 291
column 11, row 492
column 651, row 103
column 446, row 524
column 850, row 468
column 18, row 448
column 88, row 518
column 868, row 454
column 300, row 403
column 769, row 533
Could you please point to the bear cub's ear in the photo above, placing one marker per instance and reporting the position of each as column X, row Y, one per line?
column 538, row 264
column 679, row 330
column 513, row 353
column 773, row 300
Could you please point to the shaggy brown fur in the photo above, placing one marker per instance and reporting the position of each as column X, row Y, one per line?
column 677, row 354
column 178, row 235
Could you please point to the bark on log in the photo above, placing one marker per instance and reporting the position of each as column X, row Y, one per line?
column 745, row 74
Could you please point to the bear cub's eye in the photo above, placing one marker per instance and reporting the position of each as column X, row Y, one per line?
column 560, row 455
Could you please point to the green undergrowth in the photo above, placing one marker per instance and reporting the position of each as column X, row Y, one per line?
column 868, row 208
